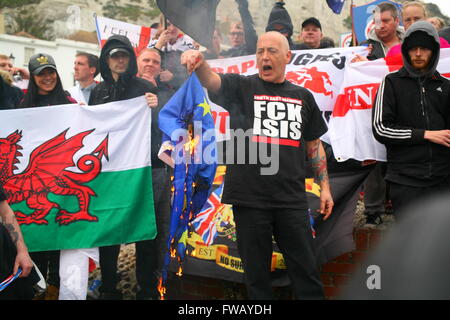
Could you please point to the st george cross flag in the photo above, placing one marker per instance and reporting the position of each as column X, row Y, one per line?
column 139, row 36
column 79, row 176
column 186, row 121
column 350, row 126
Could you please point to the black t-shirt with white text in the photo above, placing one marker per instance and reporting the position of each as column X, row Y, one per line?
column 277, row 117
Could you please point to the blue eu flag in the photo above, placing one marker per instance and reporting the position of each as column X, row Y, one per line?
column 186, row 122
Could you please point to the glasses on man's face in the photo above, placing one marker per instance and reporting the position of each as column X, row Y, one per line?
column 236, row 34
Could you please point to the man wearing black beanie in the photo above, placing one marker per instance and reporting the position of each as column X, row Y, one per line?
column 411, row 117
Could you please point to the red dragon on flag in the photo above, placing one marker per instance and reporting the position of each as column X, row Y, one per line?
column 47, row 173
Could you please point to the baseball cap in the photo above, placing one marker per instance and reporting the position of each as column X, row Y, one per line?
column 115, row 50
column 313, row 21
column 39, row 62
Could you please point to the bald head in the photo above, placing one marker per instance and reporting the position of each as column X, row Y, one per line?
column 275, row 36
column 272, row 56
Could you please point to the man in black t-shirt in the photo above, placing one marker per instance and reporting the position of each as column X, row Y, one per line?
column 278, row 115
column 13, row 254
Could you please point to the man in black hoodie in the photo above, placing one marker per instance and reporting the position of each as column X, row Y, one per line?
column 415, row 127
column 118, row 68
column 280, row 20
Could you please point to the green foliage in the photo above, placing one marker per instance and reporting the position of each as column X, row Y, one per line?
column 348, row 22
column 31, row 22
column 130, row 13
column 16, row 3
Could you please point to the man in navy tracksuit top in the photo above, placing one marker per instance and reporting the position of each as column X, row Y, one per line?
column 411, row 117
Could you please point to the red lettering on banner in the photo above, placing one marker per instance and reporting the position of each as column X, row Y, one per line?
column 218, row 69
column 233, row 69
column 221, row 119
column 247, row 65
column 356, row 97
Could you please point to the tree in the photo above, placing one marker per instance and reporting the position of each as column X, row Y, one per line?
column 17, row 3
column 130, row 12
column 31, row 22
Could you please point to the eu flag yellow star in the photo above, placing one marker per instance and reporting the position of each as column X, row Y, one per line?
column 206, row 107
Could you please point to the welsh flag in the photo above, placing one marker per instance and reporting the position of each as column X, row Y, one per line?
column 139, row 36
column 79, row 176
column 350, row 126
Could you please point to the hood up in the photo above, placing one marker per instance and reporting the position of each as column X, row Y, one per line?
column 113, row 42
column 429, row 30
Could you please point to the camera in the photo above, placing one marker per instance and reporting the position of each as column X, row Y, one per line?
column 17, row 77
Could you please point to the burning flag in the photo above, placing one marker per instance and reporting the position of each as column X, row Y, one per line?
column 186, row 121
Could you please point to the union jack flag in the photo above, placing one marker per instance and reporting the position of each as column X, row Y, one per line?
column 205, row 221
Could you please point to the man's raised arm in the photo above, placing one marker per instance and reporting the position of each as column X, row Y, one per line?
column 194, row 61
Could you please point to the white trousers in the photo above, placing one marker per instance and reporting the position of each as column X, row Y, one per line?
column 74, row 272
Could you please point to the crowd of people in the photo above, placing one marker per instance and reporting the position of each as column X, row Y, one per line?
column 414, row 129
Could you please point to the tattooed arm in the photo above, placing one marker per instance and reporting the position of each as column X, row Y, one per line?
column 316, row 154
column 9, row 221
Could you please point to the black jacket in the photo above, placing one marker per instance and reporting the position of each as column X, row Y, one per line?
column 407, row 104
column 128, row 86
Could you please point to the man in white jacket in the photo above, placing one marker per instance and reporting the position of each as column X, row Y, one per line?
column 85, row 68
column 74, row 263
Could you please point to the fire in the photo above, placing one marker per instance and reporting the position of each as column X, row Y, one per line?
column 180, row 271
column 190, row 145
column 161, row 289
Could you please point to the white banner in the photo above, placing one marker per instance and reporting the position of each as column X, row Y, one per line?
column 350, row 126
column 139, row 36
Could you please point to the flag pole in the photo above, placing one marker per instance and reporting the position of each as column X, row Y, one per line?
column 353, row 24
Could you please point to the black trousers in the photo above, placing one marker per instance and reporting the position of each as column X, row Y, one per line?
column 292, row 232
column 21, row 288
column 48, row 263
column 404, row 197
column 149, row 253
column 375, row 191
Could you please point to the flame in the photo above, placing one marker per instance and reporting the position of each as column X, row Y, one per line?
column 161, row 289
column 190, row 145
column 180, row 271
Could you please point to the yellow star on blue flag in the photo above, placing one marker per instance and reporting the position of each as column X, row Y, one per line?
column 206, row 107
